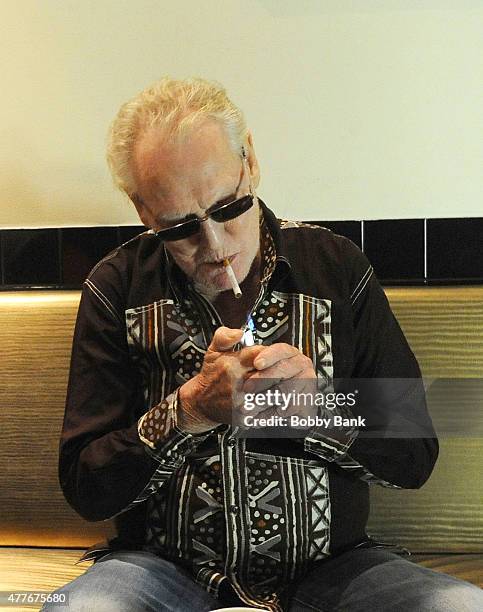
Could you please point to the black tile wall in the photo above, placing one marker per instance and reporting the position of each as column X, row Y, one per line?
column 349, row 229
column 395, row 248
column 82, row 248
column 62, row 257
column 30, row 257
column 130, row 231
column 455, row 248
column 1, row 260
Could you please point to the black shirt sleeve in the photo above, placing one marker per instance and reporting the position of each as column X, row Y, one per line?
column 105, row 468
column 393, row 400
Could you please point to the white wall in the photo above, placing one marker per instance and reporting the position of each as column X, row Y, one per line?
column 359, row 109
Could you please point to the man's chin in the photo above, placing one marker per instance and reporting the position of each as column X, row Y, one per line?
column 209, row 290
column 211, row 286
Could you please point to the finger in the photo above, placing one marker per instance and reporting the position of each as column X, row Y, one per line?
column 283, row 369
column 248, row 354
column 255, row 383
column 275, row 353
column 269, row 412
column 225, row 339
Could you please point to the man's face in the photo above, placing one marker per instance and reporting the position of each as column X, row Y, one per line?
column 176, row 180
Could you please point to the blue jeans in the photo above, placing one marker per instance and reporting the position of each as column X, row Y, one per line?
column 358, row 581
column 376, row 580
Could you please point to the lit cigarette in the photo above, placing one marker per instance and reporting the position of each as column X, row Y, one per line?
column 229, row 270
column 231, row 275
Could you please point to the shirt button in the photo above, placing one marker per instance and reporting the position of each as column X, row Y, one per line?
column 231, row 442
column 234, row 509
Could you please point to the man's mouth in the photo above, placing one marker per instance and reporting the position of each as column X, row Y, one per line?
column 219, row 262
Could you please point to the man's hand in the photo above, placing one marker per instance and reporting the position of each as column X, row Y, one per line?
column 284, row 367
column 215, row 395
column 211, row 397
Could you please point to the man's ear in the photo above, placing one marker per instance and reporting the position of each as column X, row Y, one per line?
column 252, row 160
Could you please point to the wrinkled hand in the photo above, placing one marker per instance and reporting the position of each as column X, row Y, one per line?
column 283, row 367
column 216, row 394
column 212, row 396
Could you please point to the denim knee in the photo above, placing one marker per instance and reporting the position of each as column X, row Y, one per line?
column 83, row 601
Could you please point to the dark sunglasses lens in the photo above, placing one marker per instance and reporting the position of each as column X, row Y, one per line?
column 184, row 230
column 232, row 210
column 225, row 213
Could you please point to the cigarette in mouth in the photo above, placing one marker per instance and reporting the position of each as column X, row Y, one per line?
column 231, row 275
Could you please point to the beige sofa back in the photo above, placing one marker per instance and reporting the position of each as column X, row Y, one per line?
column 443, row 325
column 36, row 329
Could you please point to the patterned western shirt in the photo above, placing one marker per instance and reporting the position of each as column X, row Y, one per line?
column 250, row 514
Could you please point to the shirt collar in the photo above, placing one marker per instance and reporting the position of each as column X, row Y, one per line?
column 277, row 264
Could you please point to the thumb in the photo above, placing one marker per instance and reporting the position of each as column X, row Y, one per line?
column 225, row 339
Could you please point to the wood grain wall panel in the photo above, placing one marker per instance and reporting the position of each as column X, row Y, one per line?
column 444, row 326
column 446, row 514
column 36, row 331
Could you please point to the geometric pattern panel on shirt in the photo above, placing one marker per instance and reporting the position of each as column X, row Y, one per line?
column 267, row 521
column 185, row 519
column 297, row 507
column 302, row 321
column 276, row 518
column 318, row 502
column 167, row 344
column 289, row 510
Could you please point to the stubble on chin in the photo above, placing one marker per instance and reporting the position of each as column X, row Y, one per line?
column 205, row 286
column 206, row 291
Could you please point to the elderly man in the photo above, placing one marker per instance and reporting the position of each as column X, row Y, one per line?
column 206, row 517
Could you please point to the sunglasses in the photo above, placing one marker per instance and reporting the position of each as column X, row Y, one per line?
column 221, row 214
column 227, row 212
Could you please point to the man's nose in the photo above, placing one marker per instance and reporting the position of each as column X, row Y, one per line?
column 211, row 233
